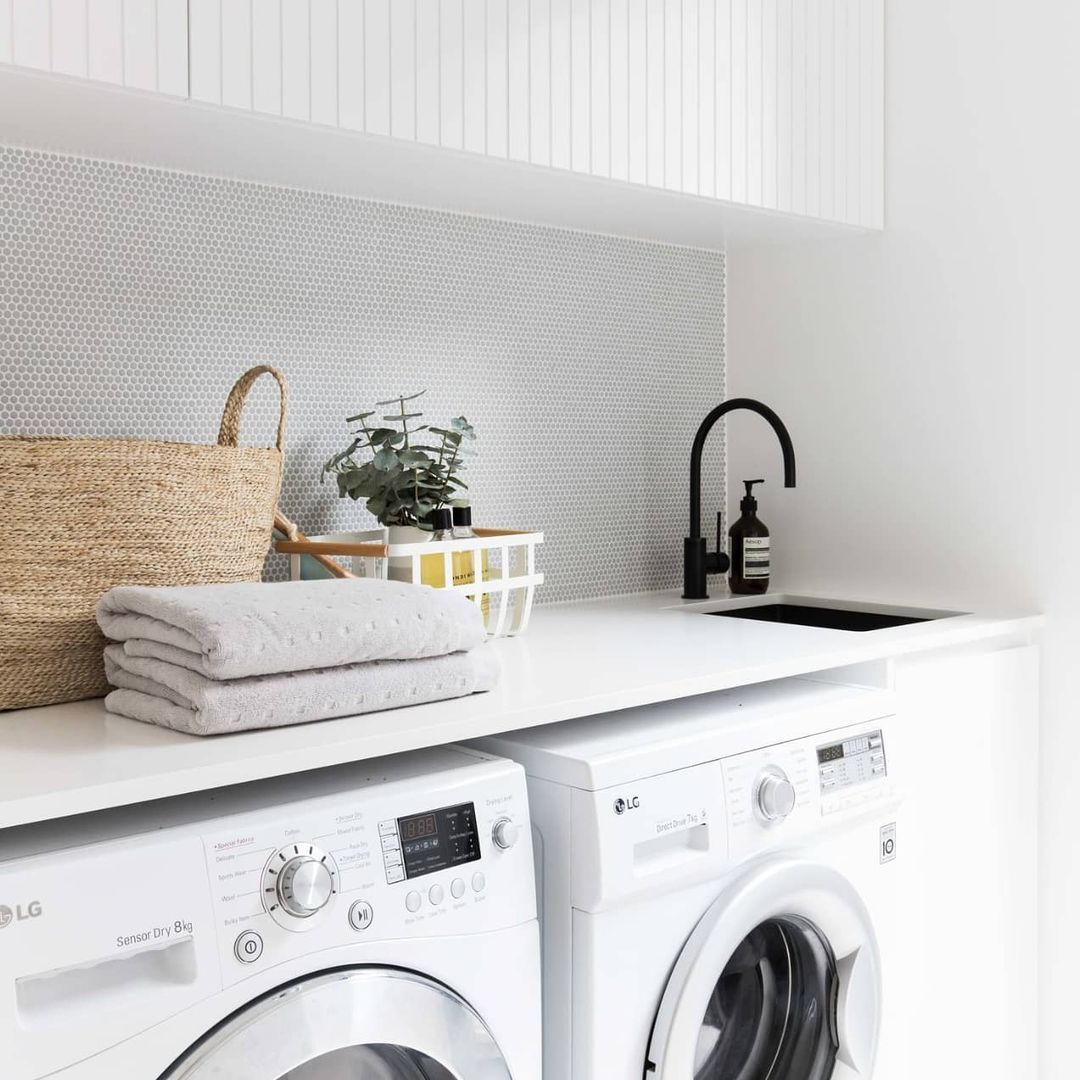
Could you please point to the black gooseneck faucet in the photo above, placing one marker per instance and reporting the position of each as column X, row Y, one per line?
column 697, row 562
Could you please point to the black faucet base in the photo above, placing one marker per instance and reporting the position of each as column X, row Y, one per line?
column 697, row 563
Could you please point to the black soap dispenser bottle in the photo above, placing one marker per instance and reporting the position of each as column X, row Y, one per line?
column 749, row 547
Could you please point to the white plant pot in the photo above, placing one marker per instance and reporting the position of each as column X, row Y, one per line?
column 401, row 566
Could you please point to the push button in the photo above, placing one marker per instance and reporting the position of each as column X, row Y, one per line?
column 248, row 947
column 413, row 901
column 457, row 888
column 478, row 882
column 360, row 915
column 436, row 894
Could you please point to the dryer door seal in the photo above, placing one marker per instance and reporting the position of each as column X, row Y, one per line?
column 780, row 980
column 362, row 1022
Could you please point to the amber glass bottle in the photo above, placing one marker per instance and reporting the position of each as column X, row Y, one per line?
column 749, row 547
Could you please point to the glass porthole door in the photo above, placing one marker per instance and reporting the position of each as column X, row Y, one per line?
column 779, row 981
column 357, row 1024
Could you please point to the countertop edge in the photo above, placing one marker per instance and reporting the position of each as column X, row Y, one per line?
column 163, row 763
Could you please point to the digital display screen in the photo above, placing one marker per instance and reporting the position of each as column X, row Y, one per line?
column 416, row 828
column 856, row 760
column 438, row 839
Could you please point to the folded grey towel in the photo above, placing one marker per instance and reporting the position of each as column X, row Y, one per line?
column 160, row 693
column 250, row 628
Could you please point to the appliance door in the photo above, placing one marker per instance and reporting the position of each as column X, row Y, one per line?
column 780, row 980
column 358, row 1024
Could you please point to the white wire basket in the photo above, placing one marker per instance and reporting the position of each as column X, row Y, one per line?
column 495, row 568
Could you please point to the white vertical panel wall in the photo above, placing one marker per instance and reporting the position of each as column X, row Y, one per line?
column 775, row 103
column 142, row 44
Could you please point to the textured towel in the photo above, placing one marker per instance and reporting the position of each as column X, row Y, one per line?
column 250, row 628
column 160, row 693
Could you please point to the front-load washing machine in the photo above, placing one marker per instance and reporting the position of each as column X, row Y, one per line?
column 719, row 892
column 372, row 921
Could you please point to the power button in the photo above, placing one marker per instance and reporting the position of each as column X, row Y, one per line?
column 248, row 947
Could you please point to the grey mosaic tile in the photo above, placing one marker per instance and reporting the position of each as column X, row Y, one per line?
column 131, row 298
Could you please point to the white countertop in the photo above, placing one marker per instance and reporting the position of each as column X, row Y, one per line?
column 575, row 660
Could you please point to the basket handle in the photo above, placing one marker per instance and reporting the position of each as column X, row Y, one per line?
column 229, row 433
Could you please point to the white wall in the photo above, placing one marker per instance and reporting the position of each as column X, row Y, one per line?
column 930, row 381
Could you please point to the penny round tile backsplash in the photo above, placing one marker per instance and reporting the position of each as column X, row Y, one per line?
column 131, row 298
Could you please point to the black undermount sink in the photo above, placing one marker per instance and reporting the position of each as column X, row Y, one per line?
column 826, row 618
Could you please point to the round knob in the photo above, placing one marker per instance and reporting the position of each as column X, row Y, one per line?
column 505, row 833
column 775, row 796
column 304, row 886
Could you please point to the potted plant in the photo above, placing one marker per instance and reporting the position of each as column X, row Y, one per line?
column 402, row 468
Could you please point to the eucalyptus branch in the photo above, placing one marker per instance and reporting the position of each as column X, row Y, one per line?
column 404, row 480
column 448, row 472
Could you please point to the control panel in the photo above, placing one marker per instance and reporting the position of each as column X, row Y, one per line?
column 428, row 842
column 851, row 761
column 788, row 787
column 376, row 862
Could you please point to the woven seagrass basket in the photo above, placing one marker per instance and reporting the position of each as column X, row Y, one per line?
column 82, row 515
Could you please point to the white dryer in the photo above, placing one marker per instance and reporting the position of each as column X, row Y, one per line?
column 376, row 920
column 719, row 887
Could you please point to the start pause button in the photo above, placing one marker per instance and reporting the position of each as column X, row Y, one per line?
column 361, row 915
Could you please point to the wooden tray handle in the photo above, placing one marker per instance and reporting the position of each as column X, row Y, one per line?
column 289, row 528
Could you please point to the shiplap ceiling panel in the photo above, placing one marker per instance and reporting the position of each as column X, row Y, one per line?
column 772, row 103
column 142, row 44
column 6, row 30
column 324, row 67
column 69, row 49
column 234, row 27
column 105, row 41
column 31, row 32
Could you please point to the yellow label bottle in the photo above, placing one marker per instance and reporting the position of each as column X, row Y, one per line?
column 464, row 562
column 433, row 567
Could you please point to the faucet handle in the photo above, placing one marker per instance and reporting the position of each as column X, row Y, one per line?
column 719, row 563
column 698, row 562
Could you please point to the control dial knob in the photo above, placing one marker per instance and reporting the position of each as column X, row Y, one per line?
column 775, row 795
column 505, row 833
column 302, row 880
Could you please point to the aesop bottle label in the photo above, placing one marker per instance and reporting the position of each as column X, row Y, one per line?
column 755, row 556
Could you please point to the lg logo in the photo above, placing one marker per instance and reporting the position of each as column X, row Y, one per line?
column 622, row 805
column 19, row 913
column 887, row 847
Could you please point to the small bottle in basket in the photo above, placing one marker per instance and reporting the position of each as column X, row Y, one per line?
column 464, row 562
column 433, row 567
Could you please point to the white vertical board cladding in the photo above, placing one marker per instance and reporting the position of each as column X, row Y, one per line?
column 142, row 44
column 772, row 103
column 6, row 28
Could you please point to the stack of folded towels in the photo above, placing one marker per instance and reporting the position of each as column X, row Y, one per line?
column 209, row 659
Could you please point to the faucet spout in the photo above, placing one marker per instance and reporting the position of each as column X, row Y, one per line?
column 697, row 563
